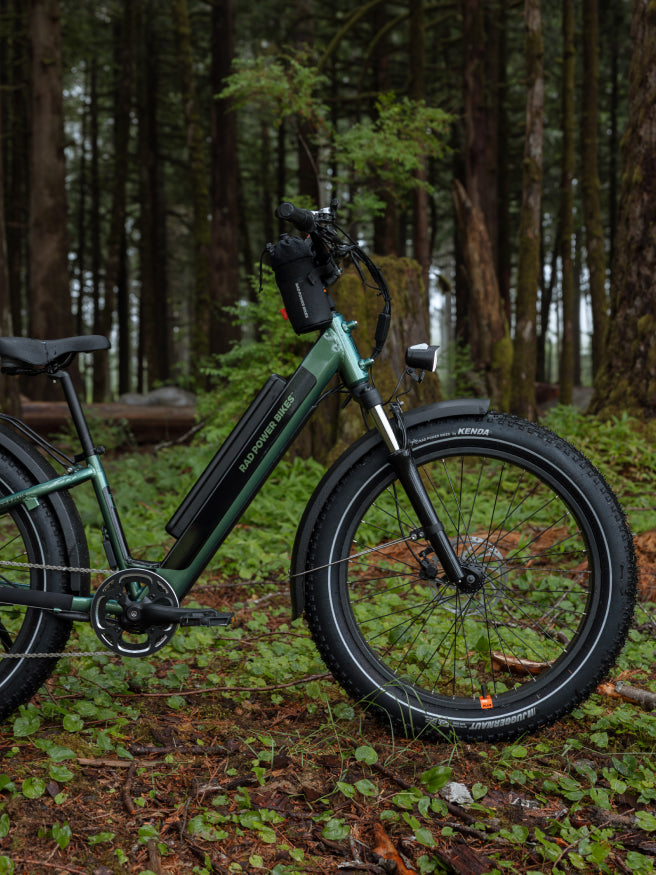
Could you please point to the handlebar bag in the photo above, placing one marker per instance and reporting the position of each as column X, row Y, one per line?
column 300, row 280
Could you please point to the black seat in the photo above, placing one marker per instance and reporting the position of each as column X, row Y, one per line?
column 28, row 355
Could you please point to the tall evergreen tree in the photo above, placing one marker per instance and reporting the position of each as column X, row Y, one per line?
column 590, row 184
column 197, row 165
column 627, row 378
column 224, row 277
column 567, row 205
column 114, row 288
column 49, row 292
column 528, row 268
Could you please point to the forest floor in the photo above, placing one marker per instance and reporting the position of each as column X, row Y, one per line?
column 235, row 752
column 174, row 769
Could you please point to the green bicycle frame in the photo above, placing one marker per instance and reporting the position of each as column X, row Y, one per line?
column 209, row 520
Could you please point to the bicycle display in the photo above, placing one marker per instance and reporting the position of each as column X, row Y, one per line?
column 461, row 571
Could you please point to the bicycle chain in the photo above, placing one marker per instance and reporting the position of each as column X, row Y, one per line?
column 6, row 563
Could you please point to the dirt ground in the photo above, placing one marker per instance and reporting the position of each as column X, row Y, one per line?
column 192, row 796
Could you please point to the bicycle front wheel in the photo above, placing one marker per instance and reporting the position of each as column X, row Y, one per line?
column 551, row 607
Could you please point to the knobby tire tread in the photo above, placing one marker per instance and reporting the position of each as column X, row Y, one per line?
column 21, row 678
column 591, row 483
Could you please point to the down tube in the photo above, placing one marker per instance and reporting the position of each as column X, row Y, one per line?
column 197, row 545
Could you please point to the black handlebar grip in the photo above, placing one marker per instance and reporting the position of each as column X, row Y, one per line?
column 301, row 219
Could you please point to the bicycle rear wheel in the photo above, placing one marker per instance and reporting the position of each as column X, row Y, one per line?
column 28, row 537
column 530, row 640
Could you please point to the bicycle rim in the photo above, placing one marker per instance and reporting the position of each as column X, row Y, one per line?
column 520, row 635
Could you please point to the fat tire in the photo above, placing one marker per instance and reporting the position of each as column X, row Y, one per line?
column 33, row 536
column 569, row 602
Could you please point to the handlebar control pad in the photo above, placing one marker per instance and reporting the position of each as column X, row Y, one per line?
column 300, row 279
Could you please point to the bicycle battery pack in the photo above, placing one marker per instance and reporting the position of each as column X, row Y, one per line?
column 246, row 434
column 301, row 284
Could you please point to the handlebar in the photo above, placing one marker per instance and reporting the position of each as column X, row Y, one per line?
column 328, row 246
column 303, row 220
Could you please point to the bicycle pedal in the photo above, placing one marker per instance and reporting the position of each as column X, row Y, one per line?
column 205, row 617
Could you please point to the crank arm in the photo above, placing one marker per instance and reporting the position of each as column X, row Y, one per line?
column 159, row 614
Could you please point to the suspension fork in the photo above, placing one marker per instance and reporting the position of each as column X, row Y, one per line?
column 402, row 461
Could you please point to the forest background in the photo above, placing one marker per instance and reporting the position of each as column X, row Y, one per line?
column 504, row 145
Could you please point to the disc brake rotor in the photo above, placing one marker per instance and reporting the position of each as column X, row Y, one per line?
column 489, row 563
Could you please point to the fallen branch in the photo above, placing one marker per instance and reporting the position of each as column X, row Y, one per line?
column 125, row 792
column 385, row 850
column 622, row 690
column 518, row 666
column 60, row 867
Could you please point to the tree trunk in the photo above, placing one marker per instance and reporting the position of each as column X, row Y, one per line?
column 566, row 378
column 198, row 180
column 627, row 379
column 9, row 401
column 481, row 116
column 482, row 323
column 504, row 232
column 154, row 353
column 489, row 338
column 616, row 13
column 16, row 76
column 417, row 91
column 333, row 427
column 49, row 291
column 124, row 42
column 306, row 148
column 224, row 257
column 528, row 268
column 94, row 218
column 590, row 185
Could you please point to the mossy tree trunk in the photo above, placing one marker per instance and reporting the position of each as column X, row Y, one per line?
column 482, row 323
column 333, row 427
column 627, row 378
column 528, row 269
column 487, row 329
column 566, row 379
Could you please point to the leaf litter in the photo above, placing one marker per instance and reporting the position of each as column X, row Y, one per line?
column 214, row 758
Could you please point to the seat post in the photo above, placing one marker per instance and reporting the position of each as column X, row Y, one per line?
column 77, row 414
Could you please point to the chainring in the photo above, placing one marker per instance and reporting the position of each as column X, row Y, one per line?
column 116, row 609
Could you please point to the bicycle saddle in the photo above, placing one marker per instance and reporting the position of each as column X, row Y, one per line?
column 28, row 355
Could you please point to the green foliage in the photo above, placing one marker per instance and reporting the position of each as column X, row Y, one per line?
column 387, row 151
column 600, row 759
column 622, row 447
column 237, row 376
column 383, row 153
column 286, row 86
column 458, row 374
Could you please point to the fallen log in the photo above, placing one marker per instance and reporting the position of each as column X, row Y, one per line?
column 147, row 423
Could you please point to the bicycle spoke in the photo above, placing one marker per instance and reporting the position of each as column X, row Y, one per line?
column 533, row 598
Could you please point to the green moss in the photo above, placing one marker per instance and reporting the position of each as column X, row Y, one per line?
column 645, row 326
column 502, row 359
